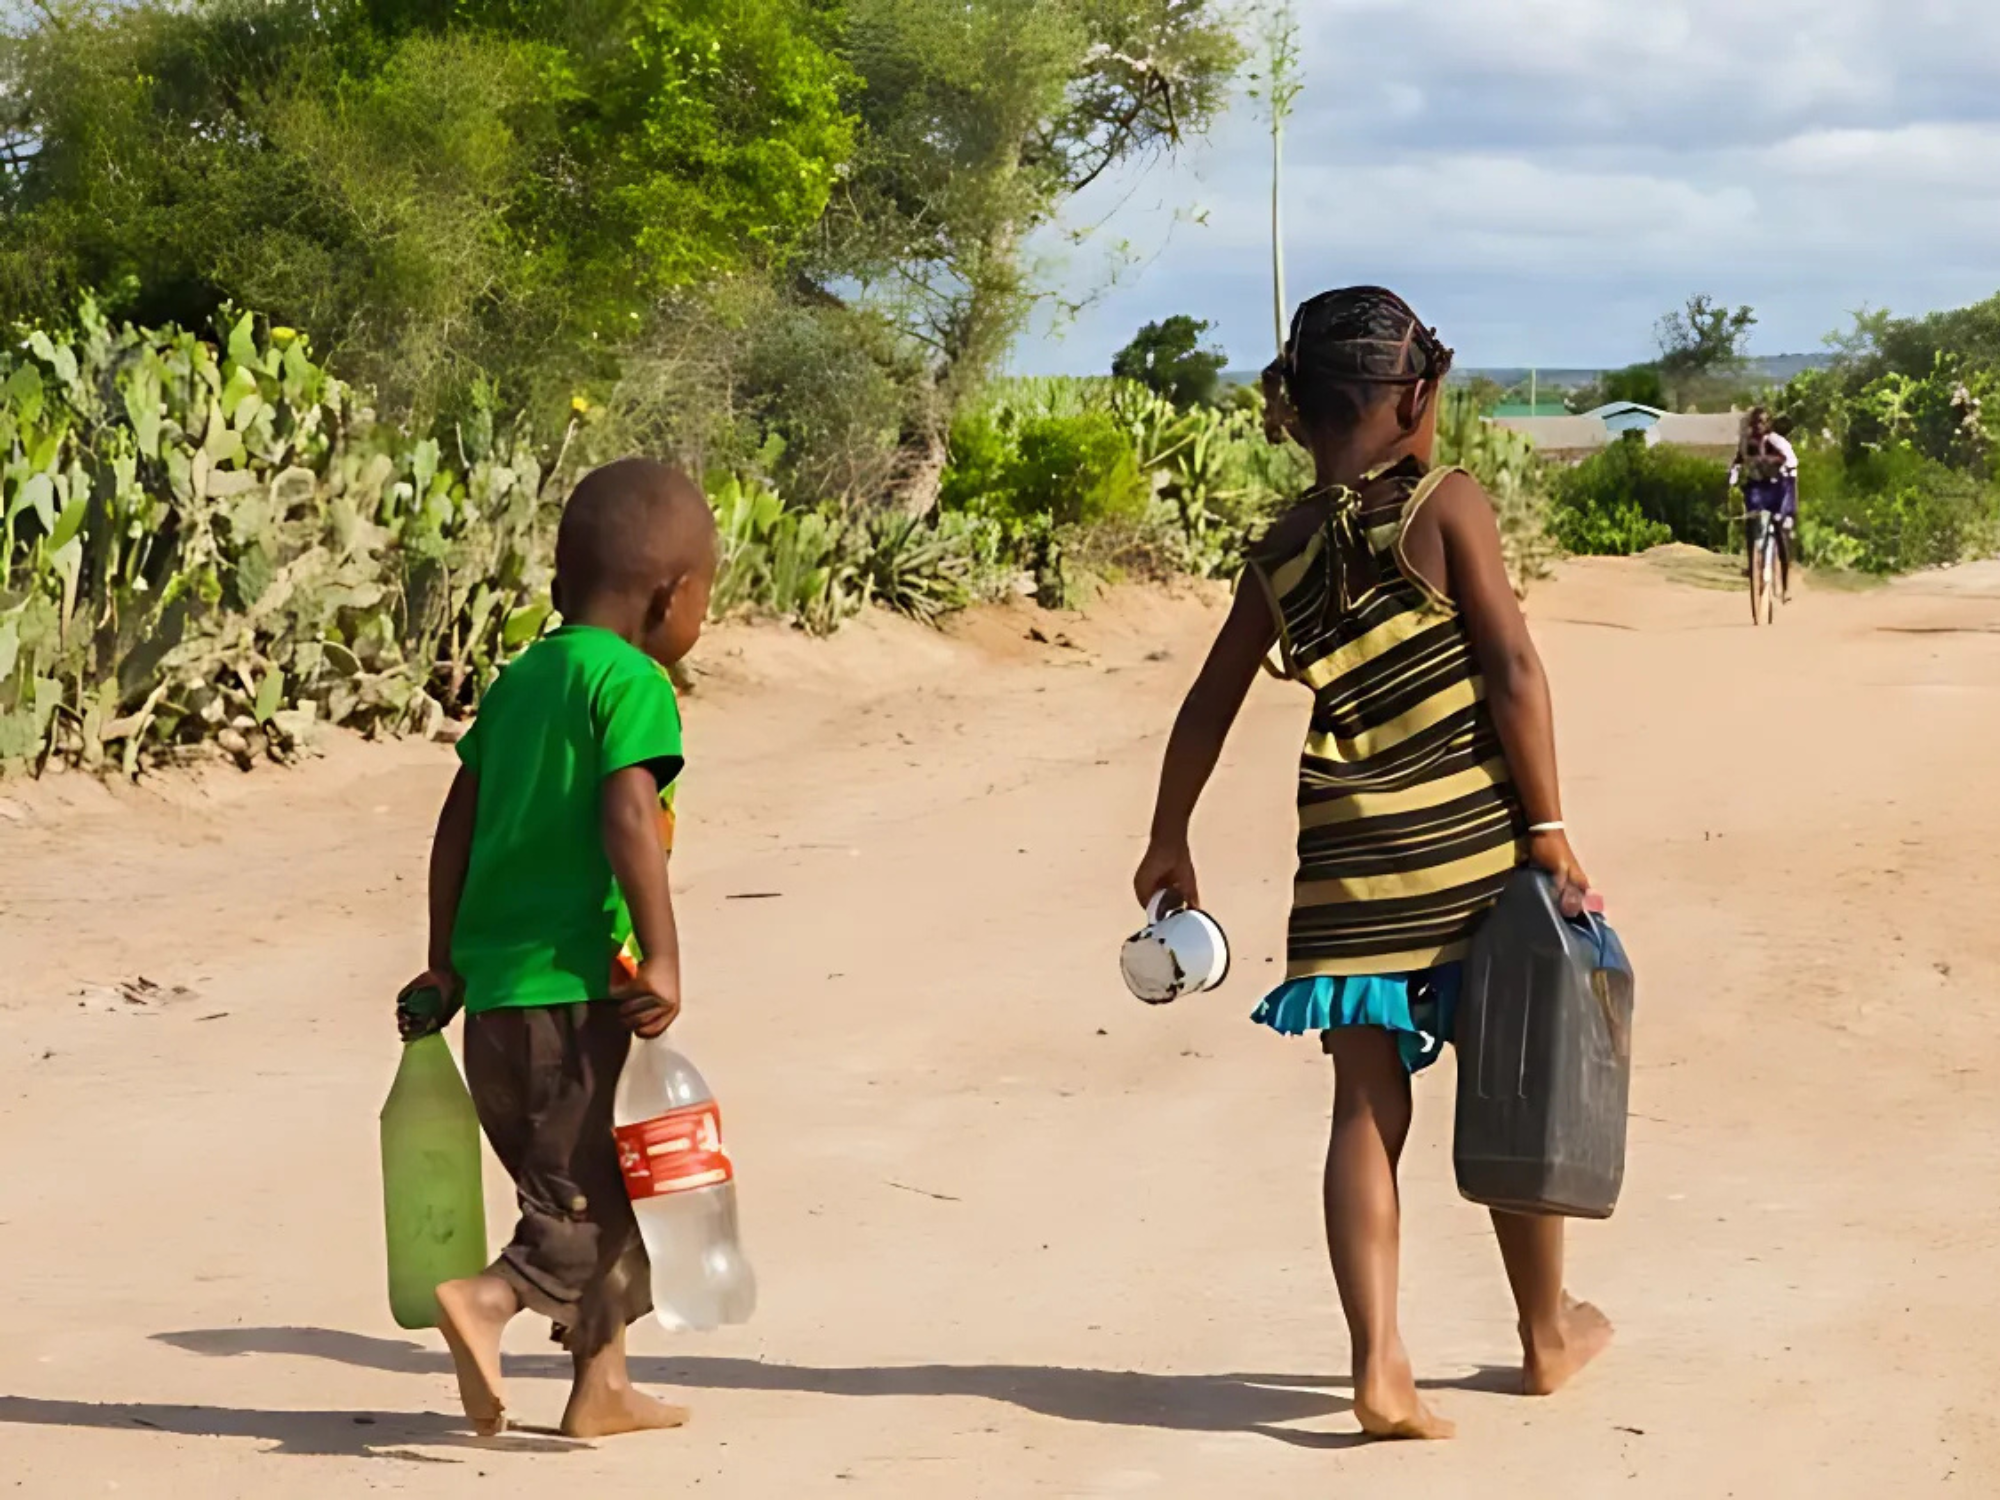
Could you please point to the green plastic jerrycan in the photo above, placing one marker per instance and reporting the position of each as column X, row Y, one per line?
column 432, row 1203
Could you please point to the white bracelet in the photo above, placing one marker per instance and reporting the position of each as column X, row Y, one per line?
column 1556, row 827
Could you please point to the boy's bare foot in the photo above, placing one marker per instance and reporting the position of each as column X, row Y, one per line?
column 1549, row 1363
column 472, row 1315
column 607, row 1413
column 1387, row 1405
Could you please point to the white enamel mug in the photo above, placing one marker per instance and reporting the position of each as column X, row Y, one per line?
column 1178, row 952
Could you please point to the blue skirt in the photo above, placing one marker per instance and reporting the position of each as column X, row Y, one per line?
column 1416, row 1008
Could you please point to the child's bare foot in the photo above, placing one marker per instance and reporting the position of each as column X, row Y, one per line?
column 602, row 1402
column 1387, row 1405
column 607, row 1413
column 472, row 1315
column 1549, row 1362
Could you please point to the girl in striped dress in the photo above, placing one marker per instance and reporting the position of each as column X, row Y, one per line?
column 1428, row 776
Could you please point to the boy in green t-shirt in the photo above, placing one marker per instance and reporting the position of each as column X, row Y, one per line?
column 550, row 856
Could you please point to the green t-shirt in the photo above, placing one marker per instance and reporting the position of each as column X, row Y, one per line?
column 541, row 917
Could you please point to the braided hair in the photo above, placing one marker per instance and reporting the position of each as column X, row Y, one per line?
column 1347, row 344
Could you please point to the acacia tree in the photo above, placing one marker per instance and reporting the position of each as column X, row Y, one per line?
column 522, row 197
column 1168, row 358
column 434, row 189
column 979, row 119
column 1705, row 338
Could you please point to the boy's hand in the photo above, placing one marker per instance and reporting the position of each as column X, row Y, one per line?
column 428, row 1002
column 650, row 1001
column 1168, row 866
column 1551, row 852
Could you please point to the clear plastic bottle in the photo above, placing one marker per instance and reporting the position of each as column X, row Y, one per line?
column 683, row 1190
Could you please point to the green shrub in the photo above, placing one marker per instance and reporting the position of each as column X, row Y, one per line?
column 1048, row 458
column 1893, row 509
column 1599, row 504
column 1943, row 416
column 1823, row 545
column 977, row 465
column 1608, row 528
column 1076, row 470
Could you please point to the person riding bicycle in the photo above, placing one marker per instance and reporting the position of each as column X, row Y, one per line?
column 1767, row 467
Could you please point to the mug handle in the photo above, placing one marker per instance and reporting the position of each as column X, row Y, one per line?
column 1159, row 905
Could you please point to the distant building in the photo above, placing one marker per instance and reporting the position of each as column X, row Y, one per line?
column 1714, row 433
column 1566, row 440
column 1621, row 417
column 1572, row 439
column 1523, row 409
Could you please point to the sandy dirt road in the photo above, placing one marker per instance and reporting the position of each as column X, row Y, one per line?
column 1018, row 1235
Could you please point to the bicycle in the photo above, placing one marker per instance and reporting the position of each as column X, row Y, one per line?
column 1766, row 538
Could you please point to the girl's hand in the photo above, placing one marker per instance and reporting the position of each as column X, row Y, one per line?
column 1551, row 852
column 1168, row 866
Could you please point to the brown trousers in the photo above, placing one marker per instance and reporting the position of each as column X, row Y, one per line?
column 542, row 1079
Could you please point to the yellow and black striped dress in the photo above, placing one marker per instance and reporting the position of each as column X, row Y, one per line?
column 1408, row 821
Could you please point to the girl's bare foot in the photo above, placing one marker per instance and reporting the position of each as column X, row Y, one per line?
column 607, row 1413
column 1387, row 1405
column 1550, row 1361
column 472, row 1315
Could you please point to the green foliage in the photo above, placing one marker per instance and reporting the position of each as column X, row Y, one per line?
column 978, row 121
column 1105, row 476
column 1076, row 470
column 1051, row 448
column 1605, row 527
column 213, row 541
column 1641, row 383
column 430, row 191
column 499, row 205
column 1211, row 481
column 1892, row 509
column 1632, row 496
column 1169, row 360
column 784, row 562
column 1882, row 343
column 1505, row 465
column 927, row 568
column 820, row 566
column 1823, row 545
column 1900, row 441
column 1702, row 339
column 1810, row 406
column 1948, row 416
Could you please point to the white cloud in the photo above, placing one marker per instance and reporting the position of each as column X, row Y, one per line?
column 1552, row 174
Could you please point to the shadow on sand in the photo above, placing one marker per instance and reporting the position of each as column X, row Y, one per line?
column 323, row 1434
column 1259, row 1404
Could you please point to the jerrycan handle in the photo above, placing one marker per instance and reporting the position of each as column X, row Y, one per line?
column 1591, row 921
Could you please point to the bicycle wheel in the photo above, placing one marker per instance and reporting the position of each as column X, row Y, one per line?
column 1757, row 582
column 1771, row 576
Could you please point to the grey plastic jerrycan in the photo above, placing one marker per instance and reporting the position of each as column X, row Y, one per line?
column 1544, row 1037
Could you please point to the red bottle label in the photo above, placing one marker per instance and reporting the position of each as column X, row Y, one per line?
column 676, row 1152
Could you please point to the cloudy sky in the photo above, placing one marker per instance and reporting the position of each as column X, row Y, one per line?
column 1543, row 178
